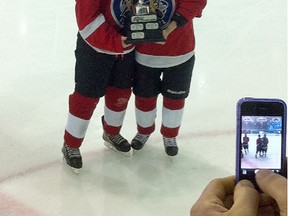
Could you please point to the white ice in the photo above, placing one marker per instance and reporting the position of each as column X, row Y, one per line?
column 241, row 51
column 272, row 160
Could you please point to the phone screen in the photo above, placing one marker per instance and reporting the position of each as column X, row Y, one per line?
column 261, row 143
column 261, row 137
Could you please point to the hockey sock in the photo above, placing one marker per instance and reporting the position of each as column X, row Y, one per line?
column 116, row 101
column 81, row 109
column 172, row 113
column 145, row 110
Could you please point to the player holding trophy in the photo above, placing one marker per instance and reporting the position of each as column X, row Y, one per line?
column 165, row 68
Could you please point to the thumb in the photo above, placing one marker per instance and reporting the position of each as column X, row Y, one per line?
column 246, row 199
column 275, row 186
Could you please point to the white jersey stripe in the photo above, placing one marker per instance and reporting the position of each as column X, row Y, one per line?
column 76, row 127
column 91, row 27
column 145, row 119
column 172, row 118
column 162, row 61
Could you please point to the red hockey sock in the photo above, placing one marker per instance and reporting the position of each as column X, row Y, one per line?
column 145, row 114
column 116, row 101
column 172, row 116
column 81, row 109
column 81, row 106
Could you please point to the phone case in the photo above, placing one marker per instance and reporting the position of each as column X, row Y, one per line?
column 238, row 129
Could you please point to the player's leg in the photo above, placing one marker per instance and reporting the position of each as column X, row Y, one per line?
column 116, row 100
column 175, row 88
column 91, row 78
column 146, row 87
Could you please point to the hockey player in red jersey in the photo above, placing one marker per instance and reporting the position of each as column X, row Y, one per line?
column 245, row 143
column 166, row 68
column 104, row 66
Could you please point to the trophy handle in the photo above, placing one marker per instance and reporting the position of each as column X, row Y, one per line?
column 129, row 4
column 153, row 6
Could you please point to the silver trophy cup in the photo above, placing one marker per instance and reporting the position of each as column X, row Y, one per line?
column 143, row 25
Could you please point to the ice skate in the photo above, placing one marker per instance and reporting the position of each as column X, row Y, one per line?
column 139, row 141
column 170, row 145
column 117, row 143
column 72, row 157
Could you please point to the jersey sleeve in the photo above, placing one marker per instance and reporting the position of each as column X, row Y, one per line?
column 190, row 9
column 94, row 28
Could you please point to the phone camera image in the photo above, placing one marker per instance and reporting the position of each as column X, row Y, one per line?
column 261, row 138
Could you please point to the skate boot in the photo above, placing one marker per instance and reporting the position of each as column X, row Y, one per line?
column 139, row 141
column 116, row 142
column 170, row 144
column 72, row 157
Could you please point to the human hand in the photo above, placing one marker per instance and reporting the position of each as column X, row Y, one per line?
column 217, row 199
column 165, row 35
column 170, row 28
column 274, row 186
column 124, row 45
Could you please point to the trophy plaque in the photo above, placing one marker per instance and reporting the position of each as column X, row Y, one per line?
column 143, row 25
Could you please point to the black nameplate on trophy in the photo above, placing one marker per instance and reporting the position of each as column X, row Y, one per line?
column 143, row 28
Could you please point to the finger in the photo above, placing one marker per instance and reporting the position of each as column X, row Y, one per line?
column 246, row 199
column 124, row 45
column 228, row 201
column 161, row 43
column 265, row 200
column 221, row 188
column 275, row 186
column 212, row 198
column 266, row 211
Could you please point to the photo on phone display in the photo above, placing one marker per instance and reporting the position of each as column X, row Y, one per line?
column 261, row 137
column 261, row 142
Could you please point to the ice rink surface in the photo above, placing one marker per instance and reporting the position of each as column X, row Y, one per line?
column 241, row 51
column 272, row 160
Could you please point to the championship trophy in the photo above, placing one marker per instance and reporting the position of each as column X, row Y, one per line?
column 143, row 25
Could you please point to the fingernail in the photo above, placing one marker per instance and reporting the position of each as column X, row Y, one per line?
column 263, row 173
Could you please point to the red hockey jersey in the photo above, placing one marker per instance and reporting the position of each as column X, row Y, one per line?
column 100, row 23
column 180, row 44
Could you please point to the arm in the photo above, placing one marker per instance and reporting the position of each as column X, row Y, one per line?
column 186, row 10
column 94, row 28
column 190, row 9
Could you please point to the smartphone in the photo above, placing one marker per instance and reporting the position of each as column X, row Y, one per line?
column 261, row 137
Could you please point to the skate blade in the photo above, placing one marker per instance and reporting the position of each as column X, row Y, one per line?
column 110, row 146
column 171, row 158
column 74, row 170
column 134, row 152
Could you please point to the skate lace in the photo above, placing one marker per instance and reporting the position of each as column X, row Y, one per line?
column 169, row 141
column 141, row 137
column 118, row 139
column 73, row 152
